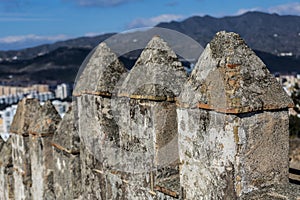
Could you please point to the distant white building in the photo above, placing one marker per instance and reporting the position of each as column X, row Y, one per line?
column 41, row 96
column 6, row 118
column 61, row 106
column 62, row 91
column 15, row 98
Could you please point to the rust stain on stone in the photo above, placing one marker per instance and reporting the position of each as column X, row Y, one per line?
column 97, row 93
column 57, row 146
column 238, row 189
column 148, row 97
column 204, row 106
column 152, row 98
column 166, row 191
column 236, row 134
column 152, row 192
column 231, row 66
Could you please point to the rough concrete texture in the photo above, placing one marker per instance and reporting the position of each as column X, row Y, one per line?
column 229, row 77
column 157, row 64
column 66, row 161
column 101, row 72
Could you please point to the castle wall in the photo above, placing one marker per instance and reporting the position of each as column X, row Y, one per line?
column 155, row 134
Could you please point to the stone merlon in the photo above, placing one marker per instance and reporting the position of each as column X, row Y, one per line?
column 101, row 72
column 27, row 109
column 157, row 65
column 32, row 118
column 230, row 78
column 45, row 121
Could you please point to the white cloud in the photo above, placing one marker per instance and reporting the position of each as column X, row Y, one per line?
column 286, row 9
column 31, row 37
column 144, row 22
column 244, row 10
column 92, row 34
column 100, row 2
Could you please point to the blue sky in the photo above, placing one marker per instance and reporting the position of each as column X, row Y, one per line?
column 30, row 22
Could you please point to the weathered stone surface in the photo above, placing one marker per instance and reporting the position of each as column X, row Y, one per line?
column 157, row 64
column 22, row 166
column 94, row 119
column 27, row 109
column 6, row 170
column 118, row 166
column 66, row 135
column 67, row 168
column 146, row 115
column 41, row 131
column 228, row 155
column 45, row 121
column 230, row 122
column 275, row 192
column 99, row 138
column 101, row 72
column 149, row 144
column 230, row 78
column 93, row 114
column 41, row 167
column 153, row 92
column 34, row 126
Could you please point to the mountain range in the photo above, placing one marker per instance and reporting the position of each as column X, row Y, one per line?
column 275, row 39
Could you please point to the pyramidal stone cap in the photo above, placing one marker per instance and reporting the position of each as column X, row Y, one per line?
column 26, row 111
column 158, row 66
column 45, row 121
column 101, row 72
column 230, row 78
column 66, row 137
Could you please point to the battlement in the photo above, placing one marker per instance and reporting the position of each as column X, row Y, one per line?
column 155, row 132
